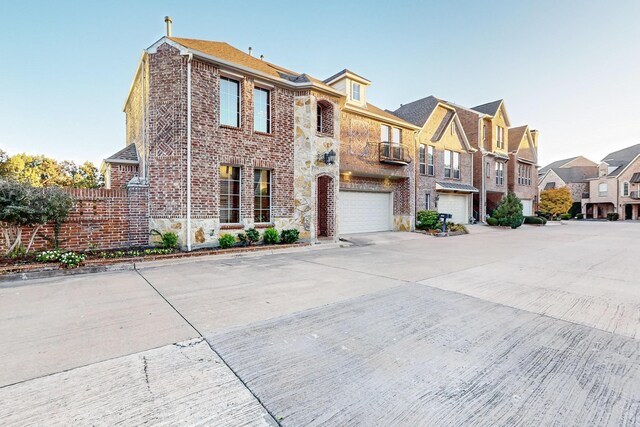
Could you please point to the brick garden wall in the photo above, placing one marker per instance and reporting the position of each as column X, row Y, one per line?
column 101, row 219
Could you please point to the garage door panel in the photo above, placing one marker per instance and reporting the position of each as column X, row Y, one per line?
column 456, row 205
column 527, row 207
column 363, row 212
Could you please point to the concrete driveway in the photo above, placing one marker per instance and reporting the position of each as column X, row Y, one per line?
column 535, row 326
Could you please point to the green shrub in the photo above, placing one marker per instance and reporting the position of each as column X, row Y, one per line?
column 427, row 220
column 71, row 259
column 253, row 235
column 289, row 236
column 169, row 240
column 579, row 216
column 492, row 221
column 509, row 211
column 534, row 220
column 565, row 216
column 243, row 239
column 613, row 216
column 226, row 241
column 271, row 236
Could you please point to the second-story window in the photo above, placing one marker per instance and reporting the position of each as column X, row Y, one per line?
column 396, row 136
column 229, row 102
column 484, row 132
column 625, row 189
column 447, row 164
column 500, row 136
column 355, row 91
column 487, row 170
column 499, row 173
column 603, row 189
column 385, row 133
column 423, row 160
column 456, row 165
column 261, row 110
column 430, row 165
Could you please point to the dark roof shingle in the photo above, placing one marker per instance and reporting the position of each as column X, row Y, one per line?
column 417, row 112
column 490, row 108
column 128, row 154
column 620, row 159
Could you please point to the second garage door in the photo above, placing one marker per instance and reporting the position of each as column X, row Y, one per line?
column 363, row 212
column 456, row 205
column 527, row 207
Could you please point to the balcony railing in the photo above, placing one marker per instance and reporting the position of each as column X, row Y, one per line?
column 394, row 153
column 635, row 194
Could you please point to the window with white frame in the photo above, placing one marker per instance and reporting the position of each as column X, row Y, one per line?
column 396, row 136
column 262, row 195
column 524, row 174
column 603, row 189
column 261, row 110
column 500, row 136
column 229, row 102
column 499, row 173
column 456, row 165
column 355, row 91
column 625, row 189
column 385, row 133
column 447, row 164
column 427, row 201
column 430, row 166
column 422, row 160
column 229, row 194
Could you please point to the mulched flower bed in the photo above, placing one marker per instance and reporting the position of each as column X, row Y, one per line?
column 104, row 258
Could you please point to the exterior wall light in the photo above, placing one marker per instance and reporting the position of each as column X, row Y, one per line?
column 330, row 157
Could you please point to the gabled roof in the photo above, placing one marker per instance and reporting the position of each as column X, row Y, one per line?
column 620, row 159
column 345, row 72
column 369, row 109
column 418, row 112
column 515, row 137
column 564, row 163
column 490, row 108
column 576, row 173
column 444, row 125
column 525, row 152
column 128, row 154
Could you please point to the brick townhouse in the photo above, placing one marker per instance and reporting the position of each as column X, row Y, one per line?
column 228, row 141
column 522, row 175
column 444, row 158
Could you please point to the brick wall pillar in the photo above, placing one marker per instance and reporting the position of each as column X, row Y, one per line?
column 138, row 212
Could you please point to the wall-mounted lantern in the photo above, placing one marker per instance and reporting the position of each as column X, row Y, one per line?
column 330, row 157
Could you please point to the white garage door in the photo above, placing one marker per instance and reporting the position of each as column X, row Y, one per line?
column 363, row 212
column 456, row 205
column 527, row 207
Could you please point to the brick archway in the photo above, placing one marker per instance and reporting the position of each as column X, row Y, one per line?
column 326, row 207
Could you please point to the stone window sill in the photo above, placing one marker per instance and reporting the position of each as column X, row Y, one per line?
column 231, row 226
column 230, row 127
column 324, row 134
column 264, row 225
column 263, row 133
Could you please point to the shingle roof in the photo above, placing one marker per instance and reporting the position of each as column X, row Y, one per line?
column 444, row 124
column 455, row 186
column 576, row 173
column 621, row 158
column 555, row 164
column 327, row 80
column 417, row 112
column 490, row 108
column 128, row 154
column 515, row 137
column 635, row 178
column 375, row 110
column 231, row 54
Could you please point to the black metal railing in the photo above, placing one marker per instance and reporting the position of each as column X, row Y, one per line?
column 394, row 153
column 634, row 194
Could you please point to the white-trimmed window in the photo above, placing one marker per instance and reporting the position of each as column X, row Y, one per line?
column 603, row 189
column 487, row 170
column 447, row 164
column 355, row 91
column 427, row 201
column 385, row 133
column 230, row 184
column 261, row 195
column 499, row 173
column 500, row 136
column 422, row 160
column 229, row 102
column 625, row 188
column 396, row 136
column 456, row 165
column 261, row 110
column 430, row 166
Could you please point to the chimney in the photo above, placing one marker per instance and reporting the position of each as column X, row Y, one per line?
column 167, row 19
column 534, row 136
column 250, row 51
column 261, row 57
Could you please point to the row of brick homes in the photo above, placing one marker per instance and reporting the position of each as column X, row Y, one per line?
column 227, row 141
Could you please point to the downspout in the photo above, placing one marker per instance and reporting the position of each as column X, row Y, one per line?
column 189, row 59
column 481, row 199
column 416, row 175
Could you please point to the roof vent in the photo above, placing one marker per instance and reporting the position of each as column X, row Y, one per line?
column 167, row 19
column 261, row 57
column 250, row 51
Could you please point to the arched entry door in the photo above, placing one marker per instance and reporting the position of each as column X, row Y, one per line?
column 325, row 225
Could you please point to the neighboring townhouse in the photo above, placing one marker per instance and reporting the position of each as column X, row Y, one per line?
column 376, row 162
column 486, row 127
column 523, row 167
column 616, row 187
column 573, row 173
column 227, row 141
column 444, row 159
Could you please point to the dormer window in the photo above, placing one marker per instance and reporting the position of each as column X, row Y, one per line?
column 355, row 91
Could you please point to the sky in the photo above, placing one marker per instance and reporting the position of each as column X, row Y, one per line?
column 570, row 69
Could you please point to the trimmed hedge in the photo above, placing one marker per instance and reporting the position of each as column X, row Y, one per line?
column 565, row 216
column 613, row 216
column 427, row 220
column 579, row 216
column 535, row 220
column 492, row 221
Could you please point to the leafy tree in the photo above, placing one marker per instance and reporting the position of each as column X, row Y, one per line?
column 24, row 206
column 509, row 211
column 41, row 171
column 555, row 201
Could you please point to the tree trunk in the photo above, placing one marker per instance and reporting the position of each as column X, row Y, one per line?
column 33, row 237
